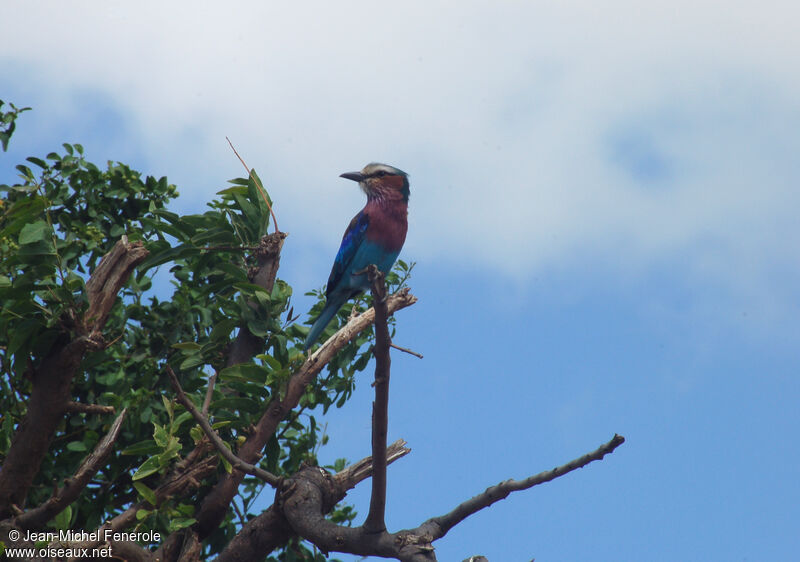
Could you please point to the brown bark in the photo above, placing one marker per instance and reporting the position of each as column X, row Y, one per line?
column 306, row 495
column 52, row 379
column 39, row 516
column 376, row 520
column 270, row 530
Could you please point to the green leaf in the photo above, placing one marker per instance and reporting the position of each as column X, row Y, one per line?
column 193, row 360
column 182, row 417
column 38, row 161
column 160, row 435
column 146, row 493
column 244, row 371
column 187, row 345
column 173, row 446
column 148, row 467
column 196, row 433
column 273, row 363
column 273, row 453
column 226, row 464
column 236, row 403
column 147, row 447
column 178, row 523
column 77, row 446
column 62, row 520
column 35, row 232
column 168, row 406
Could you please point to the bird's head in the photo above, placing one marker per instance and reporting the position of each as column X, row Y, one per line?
column 381, row 181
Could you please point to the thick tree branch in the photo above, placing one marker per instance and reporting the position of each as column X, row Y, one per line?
column 258, row 537
column 215, row 505
column 437, row 527
column 270, row 530
column 108, row 278
column 375, row 521
column 36, row 518
column 52, row 378
column 307, row 497
column 130, row 551
column 235, row 461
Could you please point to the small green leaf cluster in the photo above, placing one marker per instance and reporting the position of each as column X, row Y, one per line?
column 8, row 124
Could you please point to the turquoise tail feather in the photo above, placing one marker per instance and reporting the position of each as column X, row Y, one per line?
column 332, row 306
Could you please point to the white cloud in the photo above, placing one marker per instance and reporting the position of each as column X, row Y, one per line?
column 535, row 133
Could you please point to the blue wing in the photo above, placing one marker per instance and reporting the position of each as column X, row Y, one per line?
column 352, row 240
column 339, row 281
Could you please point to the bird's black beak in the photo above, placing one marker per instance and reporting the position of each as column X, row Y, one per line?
column 355, row 176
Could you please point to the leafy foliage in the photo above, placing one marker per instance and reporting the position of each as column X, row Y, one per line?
column 182, row 307
column 8, row 122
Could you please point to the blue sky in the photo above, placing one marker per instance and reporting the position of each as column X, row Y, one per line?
column 603, row 215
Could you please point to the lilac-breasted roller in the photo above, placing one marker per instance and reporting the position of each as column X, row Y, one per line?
column 375, row 236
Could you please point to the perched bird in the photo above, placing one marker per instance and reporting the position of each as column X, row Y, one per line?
column 375, row 236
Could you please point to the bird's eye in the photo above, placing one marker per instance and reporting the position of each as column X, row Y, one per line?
column 380, row 173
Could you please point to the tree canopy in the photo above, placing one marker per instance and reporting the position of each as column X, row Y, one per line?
column 125, row 326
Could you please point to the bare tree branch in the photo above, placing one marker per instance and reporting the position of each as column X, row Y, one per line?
column 80, row 408
column 437, row 527
column 212, row 380
column 361, row 470
column 108, row 278
column 270, row 530
column 406, row 350
column 36, row 518
column 235, row 461
column 306, row 495
column 375, row 521
column 258, row 537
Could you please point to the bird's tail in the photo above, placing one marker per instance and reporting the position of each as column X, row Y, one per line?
column 332, row 306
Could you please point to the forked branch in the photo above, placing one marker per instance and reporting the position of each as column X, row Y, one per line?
column 310, row 490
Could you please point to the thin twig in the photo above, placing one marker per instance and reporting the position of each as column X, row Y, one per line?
column 79, row 408
column 229, row 248
column 406, row 350
column 375, row 521
column 209, row 394
column 258, row 184
column 235, row 461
